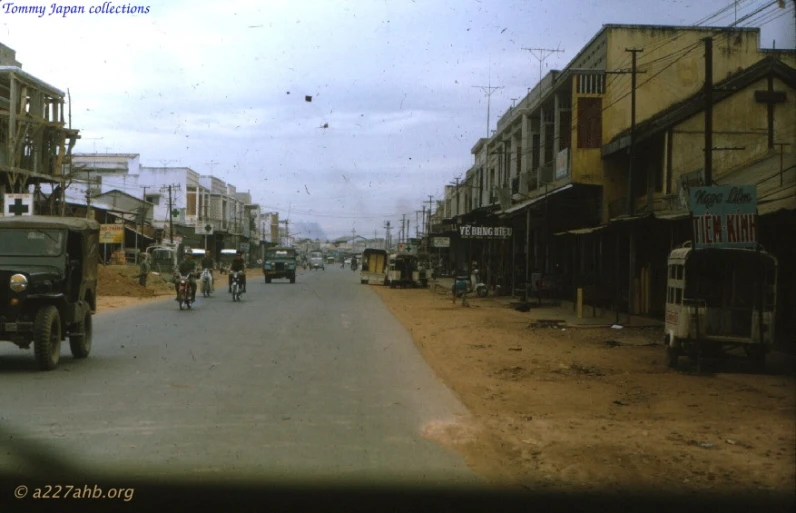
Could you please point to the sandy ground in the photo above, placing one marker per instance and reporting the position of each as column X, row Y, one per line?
column 117, row 287
column 597, row 408
column 585, row 408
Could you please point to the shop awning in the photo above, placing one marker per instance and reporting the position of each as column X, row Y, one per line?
column 672, row 216
column 139, row 233
column 581, row 231
column 527, row 203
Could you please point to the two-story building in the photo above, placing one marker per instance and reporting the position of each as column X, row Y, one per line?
column 35, row 136
column 557, row 174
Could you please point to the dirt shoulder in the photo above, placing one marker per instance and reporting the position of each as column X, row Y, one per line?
column 118, row 287
column 597, row 408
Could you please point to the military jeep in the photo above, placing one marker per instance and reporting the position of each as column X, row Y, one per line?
column 280, row 263
column 48, row 284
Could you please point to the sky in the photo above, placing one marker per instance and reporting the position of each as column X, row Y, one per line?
column 396, row 86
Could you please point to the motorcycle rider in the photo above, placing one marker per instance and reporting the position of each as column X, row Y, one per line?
column 187, row 268
column 238, row 265
column 208, row 263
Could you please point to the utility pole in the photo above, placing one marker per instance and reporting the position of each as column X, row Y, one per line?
column 631, row 199
column 708, row 111
column 171, row 189
column 88, row 194
column 430, row 198
column 387, row 236
column 541, row 56
column 630, row 191
column 781, row 160
column 488, row 90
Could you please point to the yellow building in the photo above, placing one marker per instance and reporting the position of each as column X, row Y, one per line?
column 753, row 118
column 558, row 162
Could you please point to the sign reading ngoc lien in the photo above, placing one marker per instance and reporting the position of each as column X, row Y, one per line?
column 484, row 232
column 724, row 216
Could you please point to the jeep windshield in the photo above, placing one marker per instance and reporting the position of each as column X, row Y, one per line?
column 31, row 242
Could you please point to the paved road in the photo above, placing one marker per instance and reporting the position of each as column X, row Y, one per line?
column 312, row 380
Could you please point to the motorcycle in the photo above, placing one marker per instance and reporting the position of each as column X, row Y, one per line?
column 184, row 295
column 207, row 282
column 235, row 286
column 464, row 285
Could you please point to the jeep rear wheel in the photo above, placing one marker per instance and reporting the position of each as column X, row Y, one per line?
column 81, row 344
column 293, row 278
column 47, row 338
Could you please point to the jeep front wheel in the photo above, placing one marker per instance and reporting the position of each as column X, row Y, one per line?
column 80, row 343
column 47, row 338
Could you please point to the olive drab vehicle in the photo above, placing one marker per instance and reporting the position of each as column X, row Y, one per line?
column 48, row 284
column 279, row 263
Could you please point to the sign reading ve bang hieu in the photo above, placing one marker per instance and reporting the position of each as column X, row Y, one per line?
column 724, row 216
column 484, row 232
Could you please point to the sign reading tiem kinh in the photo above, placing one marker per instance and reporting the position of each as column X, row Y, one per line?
column 724, row 216
column 485, row 232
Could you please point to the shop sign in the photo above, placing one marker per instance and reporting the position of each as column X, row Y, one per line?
column 484, row 232
column 724, row 216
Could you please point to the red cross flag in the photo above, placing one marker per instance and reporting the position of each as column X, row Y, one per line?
column 18, row 205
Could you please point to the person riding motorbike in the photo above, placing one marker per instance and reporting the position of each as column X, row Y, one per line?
column 187, row 268
column 208, row 263
column 238, row 265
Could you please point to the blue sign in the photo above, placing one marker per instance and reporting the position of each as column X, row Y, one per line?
column 724, row 216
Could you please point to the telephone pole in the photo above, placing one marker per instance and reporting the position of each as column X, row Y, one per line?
column 781, row 160
column 541, row 55
column 171, row 189
column 708, row 111
column 387, row 236
column 88, row 194
column 488, row 90
column 633, row 72
column 430, row 198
